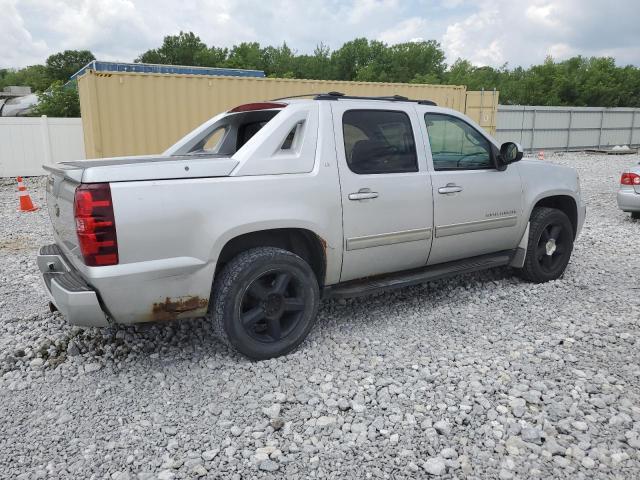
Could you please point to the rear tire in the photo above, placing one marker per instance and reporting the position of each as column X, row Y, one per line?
column 264, row 302
column 550, row 245
column 635, row 215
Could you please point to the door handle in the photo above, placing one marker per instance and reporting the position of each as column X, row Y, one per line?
column 363, row 194
column 450, row 188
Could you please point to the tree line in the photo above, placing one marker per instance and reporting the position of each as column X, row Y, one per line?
column 578, row 81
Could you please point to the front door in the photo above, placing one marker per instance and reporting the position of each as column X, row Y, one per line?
column 477, row 208
column 385, row 187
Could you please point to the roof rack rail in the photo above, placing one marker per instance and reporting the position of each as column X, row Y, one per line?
column 297, row 96
column 389, row 98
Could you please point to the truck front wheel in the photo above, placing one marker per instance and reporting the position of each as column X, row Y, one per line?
column 550, row 245
column 264, row 302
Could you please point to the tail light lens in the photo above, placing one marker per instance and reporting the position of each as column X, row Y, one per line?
column 630, row 179
column 96, row 225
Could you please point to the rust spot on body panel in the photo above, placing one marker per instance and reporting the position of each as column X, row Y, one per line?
column 323, row 242
column 179, row 307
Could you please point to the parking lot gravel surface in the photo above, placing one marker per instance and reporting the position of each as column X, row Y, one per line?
column 479, row 376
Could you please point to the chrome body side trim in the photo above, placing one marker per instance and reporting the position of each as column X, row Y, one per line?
column 478, row 226
column 357, row 243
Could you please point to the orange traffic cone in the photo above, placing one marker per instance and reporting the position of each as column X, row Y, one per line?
column 26, row 205
column 541, row 155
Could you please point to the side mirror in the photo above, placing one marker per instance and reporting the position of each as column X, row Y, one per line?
column 510, row 152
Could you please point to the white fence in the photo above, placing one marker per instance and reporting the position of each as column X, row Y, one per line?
column 568, row 128
column 26, row 143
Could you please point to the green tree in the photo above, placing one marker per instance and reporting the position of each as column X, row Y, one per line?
column 211, row 57
column 376, row 65
column 59, row 101
column 350, row 58
column 61, row 66
column 317, row 66
column 407, row 60
column 246, row 55
column 34, row 76
column 577, row 81
column 278, row 61
column 181, row 49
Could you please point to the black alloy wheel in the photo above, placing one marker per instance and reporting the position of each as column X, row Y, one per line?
column 549, row 245
column 264, row 302
column 552, row 246
column 272, row 306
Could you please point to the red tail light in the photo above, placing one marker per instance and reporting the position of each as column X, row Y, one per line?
column 248, row 107
column 630, row 179
column 96, row 225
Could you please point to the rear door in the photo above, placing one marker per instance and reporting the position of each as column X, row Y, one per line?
column 477, row 208
column 385, row 188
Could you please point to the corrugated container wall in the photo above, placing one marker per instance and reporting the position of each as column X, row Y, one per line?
column 134, row 114
column 482, row 108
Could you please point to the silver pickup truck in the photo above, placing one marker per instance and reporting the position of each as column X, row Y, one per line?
column 263, row 210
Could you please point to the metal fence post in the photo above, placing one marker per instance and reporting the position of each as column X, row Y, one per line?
column 569, row 130
column 533, row 130
column 601, row 123
column 633, row 125
column 524, row 111
column 494, row 109
column 46, row 141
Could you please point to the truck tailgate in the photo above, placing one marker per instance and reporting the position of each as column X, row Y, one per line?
column 65, row 177
column 61, row 187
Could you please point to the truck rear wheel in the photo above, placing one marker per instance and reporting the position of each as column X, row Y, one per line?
column 550, row 245
column 264, row 302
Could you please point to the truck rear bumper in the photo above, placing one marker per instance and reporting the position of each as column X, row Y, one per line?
column 628, row 200
column 72, row 296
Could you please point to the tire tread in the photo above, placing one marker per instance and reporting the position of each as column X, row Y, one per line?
column 529, row 271
column 226, row 279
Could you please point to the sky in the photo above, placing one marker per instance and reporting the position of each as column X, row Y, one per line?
column 486, row 32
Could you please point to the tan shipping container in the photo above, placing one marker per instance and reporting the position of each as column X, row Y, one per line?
column 482, row 108
column 126, row 113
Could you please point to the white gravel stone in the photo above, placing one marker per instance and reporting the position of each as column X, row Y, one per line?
column 273, row 411
column 166, row 475
column 269, row 466
column 210, row 454
column 442, row 427
column 434, row 466
column 580, row 426
column 588, row 462
column 448, row 453
column 324, row 422
column 518, row 407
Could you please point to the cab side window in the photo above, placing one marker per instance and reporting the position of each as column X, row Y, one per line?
column 379, row 141
column 456, row 145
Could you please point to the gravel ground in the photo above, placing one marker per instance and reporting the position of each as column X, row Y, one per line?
column 481, row 376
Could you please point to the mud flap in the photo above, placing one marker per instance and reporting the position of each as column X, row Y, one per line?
column 521, row 251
